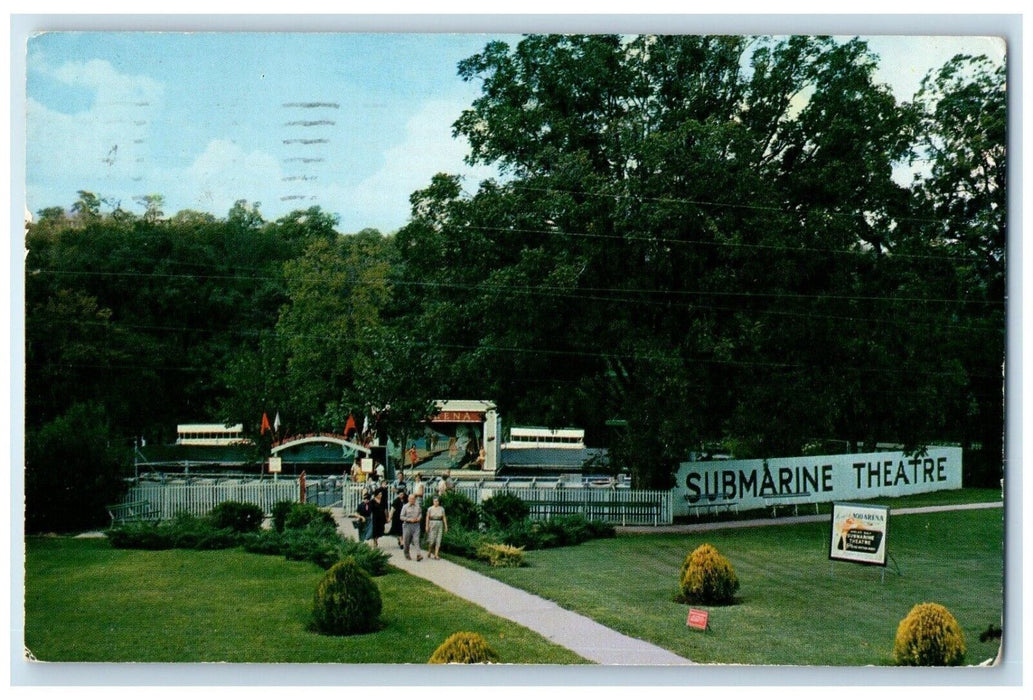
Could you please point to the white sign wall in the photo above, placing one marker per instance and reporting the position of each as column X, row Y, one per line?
column 760, row 483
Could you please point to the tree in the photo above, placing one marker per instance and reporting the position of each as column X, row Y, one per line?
column 336, row 292
column 687, row 235
column 963, row 197
column 73, row 469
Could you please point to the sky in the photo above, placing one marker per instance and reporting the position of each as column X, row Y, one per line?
column 353, row 123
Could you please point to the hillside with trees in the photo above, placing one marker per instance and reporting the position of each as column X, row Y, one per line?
column 694, row 241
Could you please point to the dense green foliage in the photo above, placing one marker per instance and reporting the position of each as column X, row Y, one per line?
column 504, row 509
column 464, row 648
column 185, row 531
column 929, row 636
column 237, row 516
column 72, row 471
column 699, row 239
column 347, row 601
column 561, row 531
column 460, row 509
column 279, row 514
column 301, row 515
column 310, row 536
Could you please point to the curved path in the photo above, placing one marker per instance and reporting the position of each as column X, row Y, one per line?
column 582, row 635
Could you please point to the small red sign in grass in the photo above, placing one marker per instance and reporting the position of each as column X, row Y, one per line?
column 698, row 619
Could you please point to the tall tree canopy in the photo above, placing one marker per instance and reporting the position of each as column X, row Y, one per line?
column 699, row 236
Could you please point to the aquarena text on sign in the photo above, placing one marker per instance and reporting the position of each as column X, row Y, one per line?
column 759, row 483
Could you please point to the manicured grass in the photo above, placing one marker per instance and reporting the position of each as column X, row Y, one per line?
column 794, row 607
column 86, row 601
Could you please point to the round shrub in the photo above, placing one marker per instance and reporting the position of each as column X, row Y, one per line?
column 301, row 515
column 504, row 509
column 237, row 516
column 929, row 636
column 460, row 510
column 707, row 577
column 347, row 601
column 464, row 648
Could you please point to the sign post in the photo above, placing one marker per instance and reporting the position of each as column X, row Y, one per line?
column 275, row 466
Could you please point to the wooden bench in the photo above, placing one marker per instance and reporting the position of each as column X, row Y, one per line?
column 132, row 512
column 616, row 513
column 710, row 502
column 775, row 501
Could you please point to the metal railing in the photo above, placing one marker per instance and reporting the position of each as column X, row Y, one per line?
column 610, row 505
column 618, row 506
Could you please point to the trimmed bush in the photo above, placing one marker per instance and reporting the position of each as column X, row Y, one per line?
column 237, row 516
column 929, row 636
column 464, row 648
column 301, row 515
column 463, row 542
column 504, row 509
column 139, row 536
column 184, row 531
column 280, row 511
column 460, row 510
column 373, row 560
column 267, row 542
column 190, row 532
column 707, row 577
column 347, row 601
column 501, row 555
column 316, row 543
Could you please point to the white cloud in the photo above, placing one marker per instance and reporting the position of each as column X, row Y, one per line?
column 102, row 148
column 223, row 173
column 427, row 148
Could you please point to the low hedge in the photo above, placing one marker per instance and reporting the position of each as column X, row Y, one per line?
column 308, row 534
column 561, row 531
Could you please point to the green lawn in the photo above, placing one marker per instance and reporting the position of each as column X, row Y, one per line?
column 794, row 606
column 86, row 601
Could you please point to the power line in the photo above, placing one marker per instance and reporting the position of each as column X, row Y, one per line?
column 545, row 290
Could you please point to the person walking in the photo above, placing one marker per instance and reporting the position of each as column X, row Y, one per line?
column 411, row 513
column 443, row 485
column 378, row 517
column 365, row 515
column 419, row 488
column 396, row 515
column 437, row 526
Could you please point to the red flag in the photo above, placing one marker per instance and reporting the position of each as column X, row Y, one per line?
column 265, row 424
column 349, row 427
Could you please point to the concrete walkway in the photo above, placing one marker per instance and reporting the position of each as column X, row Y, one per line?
column 583, row 636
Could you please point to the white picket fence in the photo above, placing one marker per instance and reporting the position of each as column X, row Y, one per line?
column 615, row 506
column 166, row 500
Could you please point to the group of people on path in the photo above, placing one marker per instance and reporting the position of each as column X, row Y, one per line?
column 405, row 515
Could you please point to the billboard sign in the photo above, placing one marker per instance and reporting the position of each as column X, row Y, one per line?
column 859, row 533
column 762, row 483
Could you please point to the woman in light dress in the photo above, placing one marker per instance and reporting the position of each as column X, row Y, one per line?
column 436, row 526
